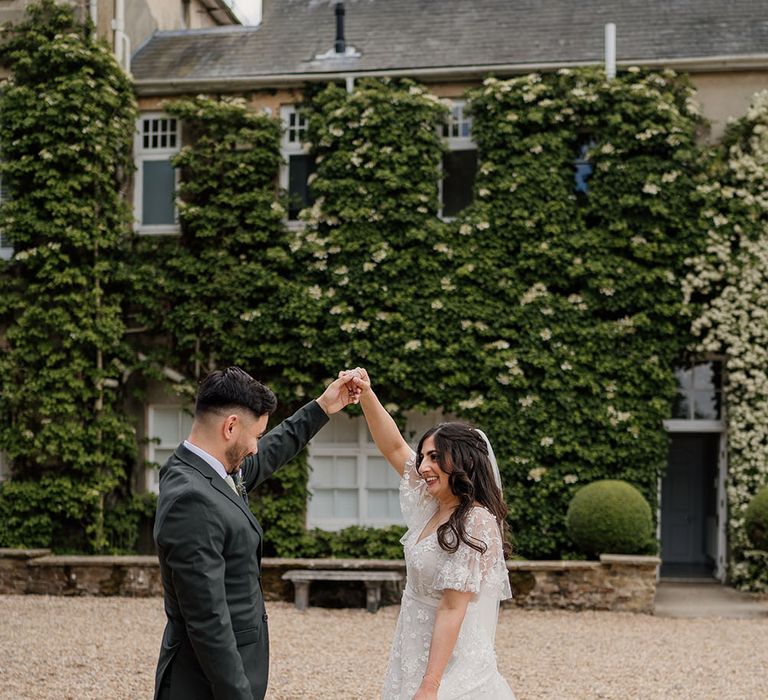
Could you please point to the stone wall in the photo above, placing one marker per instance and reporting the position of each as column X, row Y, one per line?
column 616, row 582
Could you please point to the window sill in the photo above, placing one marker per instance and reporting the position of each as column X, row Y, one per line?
column 163, row 230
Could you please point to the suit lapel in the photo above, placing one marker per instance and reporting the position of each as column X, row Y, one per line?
column 200, row 465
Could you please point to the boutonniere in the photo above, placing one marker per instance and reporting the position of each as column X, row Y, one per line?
column 239, row 485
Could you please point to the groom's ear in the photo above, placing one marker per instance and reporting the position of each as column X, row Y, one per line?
column 229, row 426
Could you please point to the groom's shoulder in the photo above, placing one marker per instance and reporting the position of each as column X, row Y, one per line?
column 178, row 478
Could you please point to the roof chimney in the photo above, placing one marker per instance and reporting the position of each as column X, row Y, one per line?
column 340, row 46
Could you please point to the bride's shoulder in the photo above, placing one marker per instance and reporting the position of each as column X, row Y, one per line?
column 480, row 514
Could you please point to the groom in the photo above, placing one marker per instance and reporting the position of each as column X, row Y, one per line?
column 215, row 645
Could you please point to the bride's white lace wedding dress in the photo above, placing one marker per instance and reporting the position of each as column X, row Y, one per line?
column 471, row 672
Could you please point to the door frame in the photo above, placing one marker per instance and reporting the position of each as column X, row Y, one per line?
column 701, row 427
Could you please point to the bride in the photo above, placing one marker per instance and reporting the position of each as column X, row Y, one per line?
column 450, row 496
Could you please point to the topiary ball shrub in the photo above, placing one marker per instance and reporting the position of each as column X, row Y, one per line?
column 756, row 519
column 610, row 516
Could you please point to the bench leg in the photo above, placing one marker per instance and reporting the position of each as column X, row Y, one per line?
column 301, row 600
column 372, row 595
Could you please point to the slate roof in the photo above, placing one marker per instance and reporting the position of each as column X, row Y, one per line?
column 420, row 37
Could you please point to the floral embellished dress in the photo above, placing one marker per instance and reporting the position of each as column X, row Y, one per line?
column 471, row 672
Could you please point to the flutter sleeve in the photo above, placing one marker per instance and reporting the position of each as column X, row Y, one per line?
column 473, row 571
column 416, row 505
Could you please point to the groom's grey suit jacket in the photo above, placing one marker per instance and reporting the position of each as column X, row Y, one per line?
column 215, row 644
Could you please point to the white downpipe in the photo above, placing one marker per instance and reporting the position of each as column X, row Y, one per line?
column 122, row 42
column 93, row 9
column 610, row 50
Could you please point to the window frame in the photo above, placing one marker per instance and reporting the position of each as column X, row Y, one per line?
column 142, row 155
column 454, row 144
column 700, row 425
column 5, row 467
column 416, row 425
column 152, row 472
column 6, row 251
column 290, row 148
column 362, row 449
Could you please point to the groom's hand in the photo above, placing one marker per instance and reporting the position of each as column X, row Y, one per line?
column 360, row 380
column 340, row 393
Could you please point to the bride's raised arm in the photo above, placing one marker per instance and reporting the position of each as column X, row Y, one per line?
column 383, row 428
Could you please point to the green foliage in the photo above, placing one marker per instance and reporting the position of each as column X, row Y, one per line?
column 351, row 542
column 367, row 249
column 551, row 319
column 610, row 516
column 124, row 519
column 213, row 291
column 756, row 520
column 68, row 119
column 53, row 512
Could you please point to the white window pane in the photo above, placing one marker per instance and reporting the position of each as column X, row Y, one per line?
column 186, row 424
column 162, row 456
column 322, row 471
column 321, row 505
column 339, row 429
column 379, row 474
column 394, row 506
column 346, row 471
column 158, row 193
column 378, row 505
column 165, row 425
column 346, row 504
column 346, row 428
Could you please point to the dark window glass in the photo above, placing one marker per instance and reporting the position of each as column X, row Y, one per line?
column 583, row 168
column 159, row 185
column 459, row 169
column 300, row 167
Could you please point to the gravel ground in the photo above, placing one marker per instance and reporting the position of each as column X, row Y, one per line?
column 105, row 648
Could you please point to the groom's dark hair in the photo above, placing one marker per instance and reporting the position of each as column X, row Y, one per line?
column 232, row 388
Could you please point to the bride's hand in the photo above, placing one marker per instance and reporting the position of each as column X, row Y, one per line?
column 361, row 379
column 426, row 694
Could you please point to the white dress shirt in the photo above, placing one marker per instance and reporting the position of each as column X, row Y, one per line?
column 210, row 459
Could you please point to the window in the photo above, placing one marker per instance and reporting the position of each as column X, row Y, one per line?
column 158, row 139
column 459, row 163
column 6, row 249
column 350, row 482
column 699, row 392
column 299, row 164
column 583, row 168
column 167, row 427
column 5, row 467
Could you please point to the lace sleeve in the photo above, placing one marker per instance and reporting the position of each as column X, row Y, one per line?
column 416, row 505
column 469, row 570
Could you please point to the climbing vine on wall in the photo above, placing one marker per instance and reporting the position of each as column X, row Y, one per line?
column 729, row 280
column 68, row 116
column 549, row 317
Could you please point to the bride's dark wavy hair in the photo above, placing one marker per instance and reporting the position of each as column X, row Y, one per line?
column 463, row 455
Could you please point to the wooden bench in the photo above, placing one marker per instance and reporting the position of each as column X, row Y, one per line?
column 301, row 578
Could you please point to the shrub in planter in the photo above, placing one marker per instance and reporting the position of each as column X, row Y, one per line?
column 756, row 519
column 610, row 516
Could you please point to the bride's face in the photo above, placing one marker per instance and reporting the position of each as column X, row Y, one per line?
column 429, row 468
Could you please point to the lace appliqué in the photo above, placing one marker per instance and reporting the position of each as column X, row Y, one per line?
column 468, row 569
